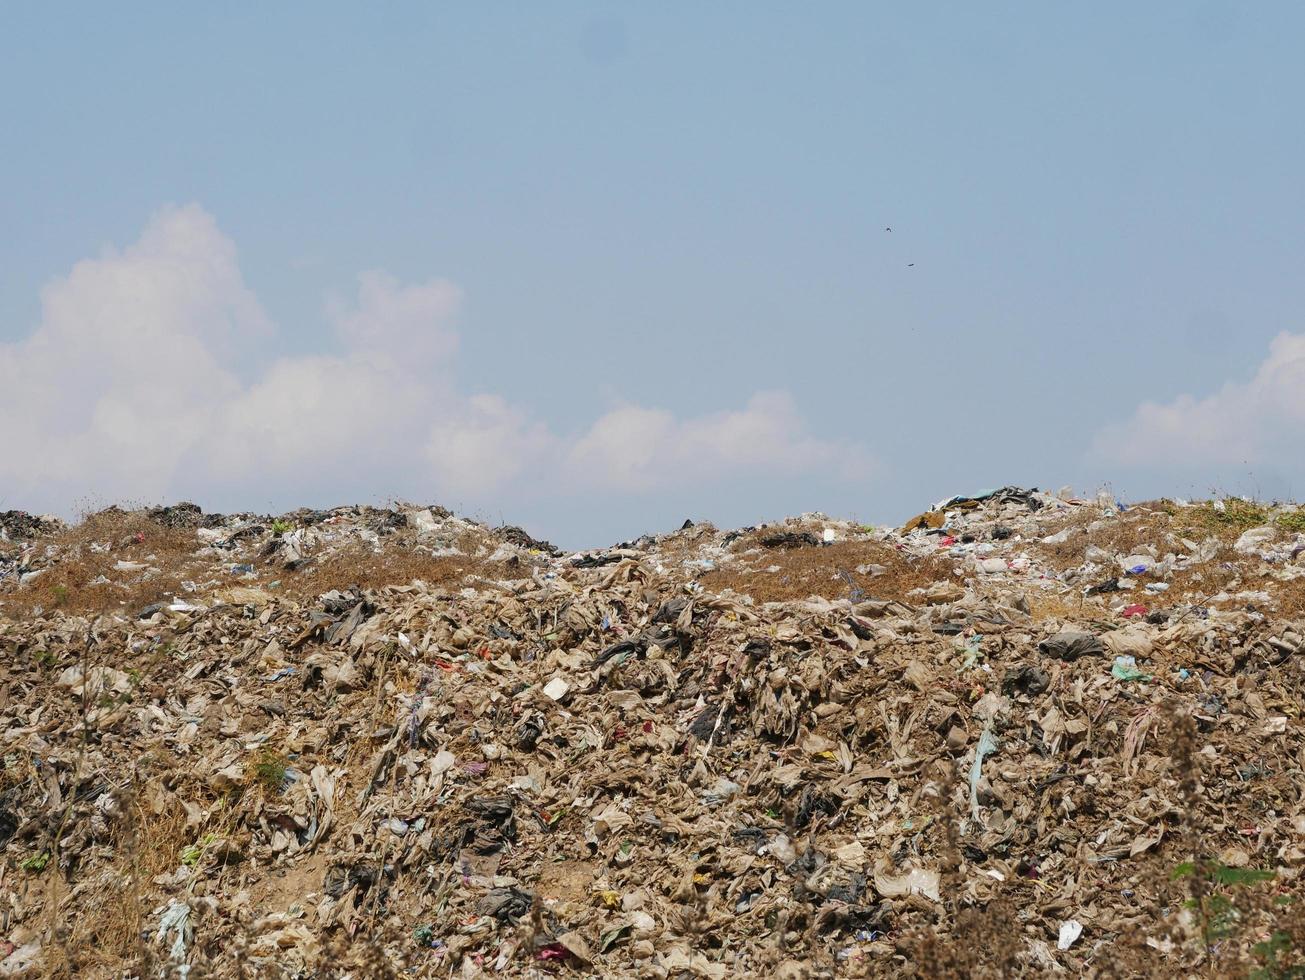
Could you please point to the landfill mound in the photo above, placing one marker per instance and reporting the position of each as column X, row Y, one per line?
column 1023, row 735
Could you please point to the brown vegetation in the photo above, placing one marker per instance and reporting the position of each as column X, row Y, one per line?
column 90, row 551
column 828, row 571
column 400, row 563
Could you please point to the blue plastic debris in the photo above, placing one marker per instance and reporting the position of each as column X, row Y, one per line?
column 1125, row 669
column 987, row 745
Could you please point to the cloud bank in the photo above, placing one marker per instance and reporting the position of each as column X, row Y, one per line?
column 138, row 384
column 1258, row 421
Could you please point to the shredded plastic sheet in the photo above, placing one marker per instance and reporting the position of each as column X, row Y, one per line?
column 1069, row 933
column 175, row 921
column 987, row 745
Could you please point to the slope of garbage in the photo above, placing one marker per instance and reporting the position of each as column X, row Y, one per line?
column 1023, row 735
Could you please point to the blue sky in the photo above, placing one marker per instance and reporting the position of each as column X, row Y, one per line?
column 649, row 241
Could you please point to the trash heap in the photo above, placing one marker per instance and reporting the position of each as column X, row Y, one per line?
column 1024, row 734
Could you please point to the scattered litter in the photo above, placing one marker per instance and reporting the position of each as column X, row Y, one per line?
column 392, row 740
column 987, row 745
column 917, row 881
column 1125, row 668
column 1070, row 930
column 175, row 922
column 557, row 688
column 1072, row 646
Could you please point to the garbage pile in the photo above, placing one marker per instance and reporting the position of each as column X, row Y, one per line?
column 1024, row 734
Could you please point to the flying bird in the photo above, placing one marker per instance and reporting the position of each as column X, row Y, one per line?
column 888, row 229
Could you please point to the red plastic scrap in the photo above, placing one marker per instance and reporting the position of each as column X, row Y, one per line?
column 1137, row 609
column 553, row 951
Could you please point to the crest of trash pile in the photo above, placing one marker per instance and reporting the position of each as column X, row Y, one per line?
column 787, row 748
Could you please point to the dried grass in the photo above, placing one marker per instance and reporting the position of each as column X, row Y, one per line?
column 828, row 572
column 91, row 550
column 402, row 562
column 101, row 932
column 1226, row 521
column 1058, row 608
column 159, row 839
column 122, row 536
column 1289, row 598
column 1124, row 534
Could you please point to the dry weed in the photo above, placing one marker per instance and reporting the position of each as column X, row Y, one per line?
column 402, row 563
column 91, row 550
column 830, row 571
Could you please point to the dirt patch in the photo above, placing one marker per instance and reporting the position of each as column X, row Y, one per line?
column 569, row 881
column 278, row 892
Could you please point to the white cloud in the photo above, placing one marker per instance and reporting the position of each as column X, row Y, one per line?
column 135, row 385
column 133, row 352
column 407, row 323
column 487, row 444
column 633, row 448
column 1255, row 421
